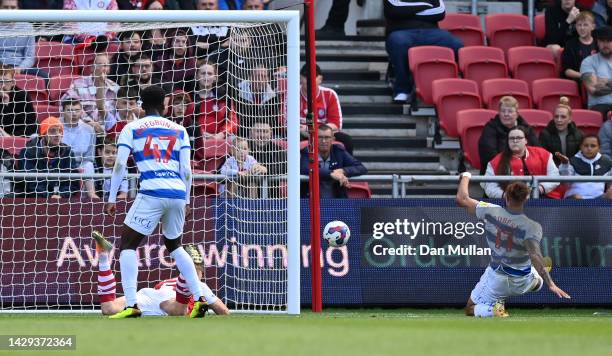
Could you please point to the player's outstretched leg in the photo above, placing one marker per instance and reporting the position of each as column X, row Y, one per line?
column 130, row 239
column 109, row 303
column 187, row 268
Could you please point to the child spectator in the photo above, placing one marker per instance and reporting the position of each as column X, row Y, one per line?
column 240, row 167
column 108, row 154
column 588, row 162
column 82, row 140
column 561, row 133
column 579, row 47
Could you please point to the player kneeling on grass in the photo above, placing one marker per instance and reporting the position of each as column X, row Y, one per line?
column 170, row 297
column 514, row 240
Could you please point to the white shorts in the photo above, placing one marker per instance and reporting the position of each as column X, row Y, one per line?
column 496, row 286
column 147, row 211
column 149, row 300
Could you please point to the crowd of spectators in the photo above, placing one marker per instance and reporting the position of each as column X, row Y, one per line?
column 244, row 109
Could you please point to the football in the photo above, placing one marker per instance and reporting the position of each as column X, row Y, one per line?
column 336, row 233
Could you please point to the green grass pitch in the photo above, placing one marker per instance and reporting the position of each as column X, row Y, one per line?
column 337, row 332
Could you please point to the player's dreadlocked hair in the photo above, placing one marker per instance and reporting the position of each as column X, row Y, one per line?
column 517, row 191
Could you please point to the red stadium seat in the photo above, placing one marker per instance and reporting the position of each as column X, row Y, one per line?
column 494, row 89
column 540, row 28
column 588, row 121
column 480, row 63
column 428, row 63
column 538, row 119
column 451, row 96
column 14, row 144
column 546, row 93
column 35, row 86
column 359, row 190
column 464, row 26
column 470, row 123
column 530, row 63
column 58, row 86
column 506, row 31
column 210, row 154
column 44, row 111
column 55, row 58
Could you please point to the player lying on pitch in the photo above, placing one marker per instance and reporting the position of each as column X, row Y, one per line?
column 170, row 297
column 514, row 240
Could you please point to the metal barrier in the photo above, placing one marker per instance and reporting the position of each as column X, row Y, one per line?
column 398, row 182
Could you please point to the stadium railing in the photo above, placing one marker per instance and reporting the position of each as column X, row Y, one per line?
column 398, row 188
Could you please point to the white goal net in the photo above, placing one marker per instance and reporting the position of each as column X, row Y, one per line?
column 68, row 88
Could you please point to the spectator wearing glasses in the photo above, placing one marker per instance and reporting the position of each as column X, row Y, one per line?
column 520, row 159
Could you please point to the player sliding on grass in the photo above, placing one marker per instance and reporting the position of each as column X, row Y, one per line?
column 170, row 297
column 514, row 240
column 161, row 150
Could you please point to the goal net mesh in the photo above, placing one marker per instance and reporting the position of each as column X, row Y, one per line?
column 225, row 82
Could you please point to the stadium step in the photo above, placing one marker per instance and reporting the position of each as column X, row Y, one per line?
column 380, row 132
column 343, row 75
column 387, row 142
column 412, row 155
column 380, row 122
column 373, row 109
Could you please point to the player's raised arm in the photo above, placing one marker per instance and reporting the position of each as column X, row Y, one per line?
column 535, row 254
column 463, row 194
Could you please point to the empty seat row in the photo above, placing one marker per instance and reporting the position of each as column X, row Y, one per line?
column 428, row 63
column 502, row 30
column 471, row 122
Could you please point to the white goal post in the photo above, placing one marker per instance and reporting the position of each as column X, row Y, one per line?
column 248, row 229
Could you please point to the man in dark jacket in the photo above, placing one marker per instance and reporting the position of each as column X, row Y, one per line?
column 47, row 154
column 494, row 139
column 412, row 23
column 335, row 166
column 550, row 139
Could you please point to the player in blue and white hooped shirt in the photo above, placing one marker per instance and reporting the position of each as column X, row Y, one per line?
column 161, row 150
column 517, row 266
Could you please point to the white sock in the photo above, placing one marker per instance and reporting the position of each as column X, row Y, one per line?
column 187, row 268
column 103, row 261
column 483, row 311
column 129, row 275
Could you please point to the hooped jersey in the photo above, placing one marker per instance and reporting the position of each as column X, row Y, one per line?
column 156, row 143
column 506, row 233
